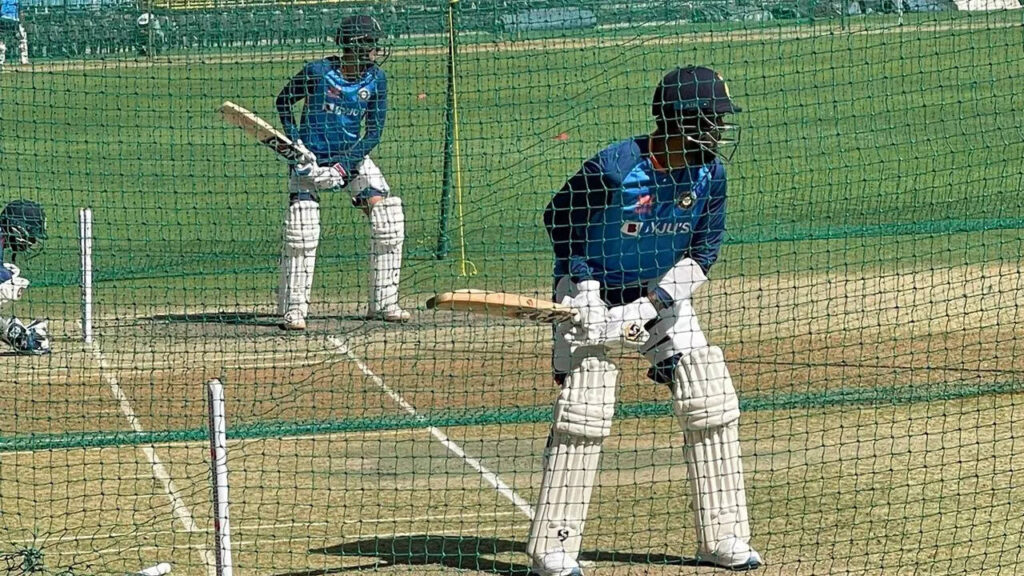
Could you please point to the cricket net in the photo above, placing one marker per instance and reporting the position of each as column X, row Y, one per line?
column 867, row 297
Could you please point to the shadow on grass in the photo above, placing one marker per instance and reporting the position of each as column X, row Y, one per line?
column 460, row 552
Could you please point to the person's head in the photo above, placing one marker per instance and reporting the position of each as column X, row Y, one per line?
column 361, row 41
column 23, row 227
column 689, row 108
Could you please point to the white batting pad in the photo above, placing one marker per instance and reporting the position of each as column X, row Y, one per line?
column 583, row 418
column 706, row 405
column 298, row 257
column 387, row 234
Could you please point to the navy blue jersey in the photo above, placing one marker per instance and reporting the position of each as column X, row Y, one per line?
column 622, row 222
column 342, row 120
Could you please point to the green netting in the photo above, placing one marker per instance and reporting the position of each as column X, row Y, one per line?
column 867, row 295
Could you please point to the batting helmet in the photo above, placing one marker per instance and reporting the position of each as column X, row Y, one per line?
column 691, row 101
column 23, row 226
column 362, row 36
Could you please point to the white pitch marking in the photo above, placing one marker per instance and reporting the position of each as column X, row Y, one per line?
column 490, row 477
column 178, row 507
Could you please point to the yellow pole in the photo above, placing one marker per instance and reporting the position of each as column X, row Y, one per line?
column 464, row 263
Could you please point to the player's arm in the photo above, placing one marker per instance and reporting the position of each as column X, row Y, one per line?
column 710, row 230
column 376, row 116
column 566, row 218
column 298, row 88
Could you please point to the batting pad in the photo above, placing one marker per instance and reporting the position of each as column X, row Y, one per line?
column 298, row 257
column 706, row 405
column 583, row 417
column 387, row 234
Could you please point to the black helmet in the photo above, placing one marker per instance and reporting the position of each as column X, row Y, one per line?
column 690, row 101
column 692, row 90
column 23, row 226
column 362, row 35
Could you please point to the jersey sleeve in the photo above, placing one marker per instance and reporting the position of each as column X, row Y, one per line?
column 5, row 274
column 298, row 88
column 710, row 230
column 567, row 215
column 376, row 116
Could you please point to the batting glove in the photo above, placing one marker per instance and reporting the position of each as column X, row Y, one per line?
column 314, row 177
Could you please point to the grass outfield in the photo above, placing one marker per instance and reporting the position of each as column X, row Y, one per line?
column 844, row 136
column 867, row 301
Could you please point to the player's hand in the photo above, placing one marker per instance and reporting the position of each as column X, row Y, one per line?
column 307, row 155
column 596, row 324
column 587, row 305
column 314, row 177
column 622, row 325
column 590, row 323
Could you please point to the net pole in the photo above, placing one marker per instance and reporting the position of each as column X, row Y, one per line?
column 219, row 475
column 85, row 250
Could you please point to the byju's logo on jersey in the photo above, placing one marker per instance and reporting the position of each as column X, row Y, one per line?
column 655, row 228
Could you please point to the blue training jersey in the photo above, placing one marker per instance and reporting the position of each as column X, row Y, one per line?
column 9, row 9
column 342, row 120
column 622, row 222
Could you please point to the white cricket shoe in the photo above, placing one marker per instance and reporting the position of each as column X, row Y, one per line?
column 732, row 554
column 293, row 320
column 395, row 314
column 556, row 564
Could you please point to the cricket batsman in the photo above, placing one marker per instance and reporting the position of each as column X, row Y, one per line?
column 635, row 233
column 22, row 231
column 346, row 104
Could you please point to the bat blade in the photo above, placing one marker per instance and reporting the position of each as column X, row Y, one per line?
column 501, row 304
column 263, row 132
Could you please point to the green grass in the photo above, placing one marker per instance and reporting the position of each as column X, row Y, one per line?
column 847, row 141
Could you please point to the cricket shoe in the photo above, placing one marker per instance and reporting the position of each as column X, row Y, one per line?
column 732, row 554
column 292, row 320
column 556, row 564
column 393, row 315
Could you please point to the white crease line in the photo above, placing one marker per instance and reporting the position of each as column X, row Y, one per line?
column 178, row 507
column 490, row 477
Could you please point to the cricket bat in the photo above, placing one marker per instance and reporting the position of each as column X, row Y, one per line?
column 263, row 132
column 501, row 304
